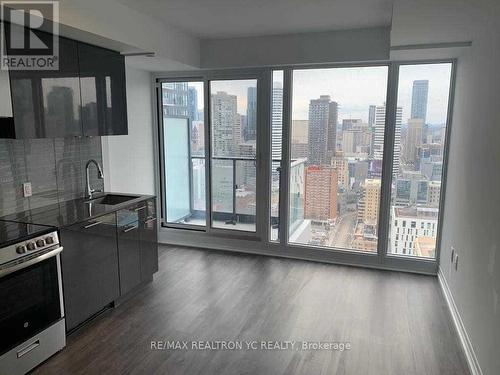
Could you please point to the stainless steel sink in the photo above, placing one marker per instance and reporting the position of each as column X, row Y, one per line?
column 112, row 199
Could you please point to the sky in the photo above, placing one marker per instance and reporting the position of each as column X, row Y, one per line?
column 353, row 88
column 232, row 87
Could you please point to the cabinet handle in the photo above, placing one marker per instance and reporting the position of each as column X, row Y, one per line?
column 92, row 224
column 129, row 229
column 140, row 208
column 150, row 220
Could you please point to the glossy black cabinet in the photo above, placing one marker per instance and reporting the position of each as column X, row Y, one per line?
column 103, row 91
column 90, row 268
column 46, row 103
column 128, row 248
column 85, row 96
column 6, row 115
column 107, row 257
column 137, row 244
column 149, row 240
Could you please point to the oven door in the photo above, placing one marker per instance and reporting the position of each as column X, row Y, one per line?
column 31, row 297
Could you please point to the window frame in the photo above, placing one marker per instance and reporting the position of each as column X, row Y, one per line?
column 260, row 75
column 259, row 242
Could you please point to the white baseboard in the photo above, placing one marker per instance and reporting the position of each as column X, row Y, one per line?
column 470, row 355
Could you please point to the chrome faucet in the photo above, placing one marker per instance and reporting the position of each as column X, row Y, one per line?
column 100, row 175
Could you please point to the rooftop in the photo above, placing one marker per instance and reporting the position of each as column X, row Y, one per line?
column 416, row 212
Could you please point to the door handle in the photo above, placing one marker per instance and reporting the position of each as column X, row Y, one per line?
column 129, row 229
column 92, row 224
column 150, row 220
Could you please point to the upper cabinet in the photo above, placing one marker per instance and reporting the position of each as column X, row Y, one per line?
column 102, row 82
column 46, row 103
column 6, row 116
column 84, row 97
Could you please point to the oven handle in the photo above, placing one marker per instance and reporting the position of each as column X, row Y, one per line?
column 30, row 262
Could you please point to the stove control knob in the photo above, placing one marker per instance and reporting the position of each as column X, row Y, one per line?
column 31, row 246
column 49, row 240
column 21, row 249
column 40, row 243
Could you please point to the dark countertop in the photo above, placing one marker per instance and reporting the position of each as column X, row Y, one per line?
column 72, row 212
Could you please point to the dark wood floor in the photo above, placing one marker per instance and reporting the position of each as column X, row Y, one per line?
column 396, row 323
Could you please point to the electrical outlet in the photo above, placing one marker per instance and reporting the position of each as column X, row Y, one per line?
column 27, row 192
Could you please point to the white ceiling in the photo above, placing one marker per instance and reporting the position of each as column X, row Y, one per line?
column 208, row 19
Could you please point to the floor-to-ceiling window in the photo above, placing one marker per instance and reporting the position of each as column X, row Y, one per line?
column 337, row 145
column 423, row 92
column 353, row 158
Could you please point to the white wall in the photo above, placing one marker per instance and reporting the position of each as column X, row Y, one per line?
column 115, row 21
column 128, row 160
column 471, row 217
column 334, row 46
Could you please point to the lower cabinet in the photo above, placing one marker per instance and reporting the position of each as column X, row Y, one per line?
column 106, row 258
column 128, row 248
column 137, row 244
column 89, row 268
column 148, row 235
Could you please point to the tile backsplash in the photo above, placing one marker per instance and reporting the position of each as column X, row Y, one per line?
column 55, row 168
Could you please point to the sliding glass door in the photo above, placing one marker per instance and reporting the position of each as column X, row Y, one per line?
column 209, row 168
column 182, row 110
column 233, row 128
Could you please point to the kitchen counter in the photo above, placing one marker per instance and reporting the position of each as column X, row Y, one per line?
column 72, row 212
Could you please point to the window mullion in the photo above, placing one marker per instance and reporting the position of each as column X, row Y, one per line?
column 285, row 158
column 388, row 158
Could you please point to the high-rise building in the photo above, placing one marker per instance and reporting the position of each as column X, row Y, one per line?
column 413, row 140
column 245, row 170
column 277, row 120
column 175, row 99
column 348, row 142
column 378, row 136
column 198, row 185
column 371, row 115
column 224, row 120
column 408, row 224
column 250, row 131
column 322, row 135
column 411, row 188
column 197, row 138
column 371, row 201
column 351, row 123
column 320, row 200
column 297, row 189
column 192, row 103
column 237, row 133
column 342, row 166
column 419, row 99
column 434, row 193
column 432, row 169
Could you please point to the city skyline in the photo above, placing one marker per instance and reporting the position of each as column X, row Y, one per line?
column 353, row 104
column 335, row 182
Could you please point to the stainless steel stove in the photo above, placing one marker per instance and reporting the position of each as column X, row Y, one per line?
column 31, row 300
